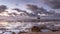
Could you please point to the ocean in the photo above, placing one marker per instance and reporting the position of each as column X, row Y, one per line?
column 8, row 27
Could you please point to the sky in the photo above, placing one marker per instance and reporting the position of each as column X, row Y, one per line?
column 22, row 3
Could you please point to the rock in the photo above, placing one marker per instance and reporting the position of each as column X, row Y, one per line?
column 21, row 32
column 13, row 33
column 35, row 29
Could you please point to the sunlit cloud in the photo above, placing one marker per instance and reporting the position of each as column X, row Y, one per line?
column 4, row 14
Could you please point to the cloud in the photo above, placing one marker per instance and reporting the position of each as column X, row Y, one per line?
column 17, row 9
column 55, row 4
column 2, row 8
column 13, row 14
column 35, row 9
column 22, row 12
column 31, row 7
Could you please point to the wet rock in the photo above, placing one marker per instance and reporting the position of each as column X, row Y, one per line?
column 21, row 32
column 35, row 29
column 13, row 33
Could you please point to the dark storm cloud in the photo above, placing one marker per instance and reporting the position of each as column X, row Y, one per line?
column 3, row 8
column 32, row 7
column 24, row 11
column 35, row 9
column 21, row 3
column 17, row 9
column 53, row 3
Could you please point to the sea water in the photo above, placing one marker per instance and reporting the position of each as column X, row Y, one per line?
column 23, row 26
